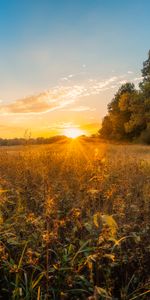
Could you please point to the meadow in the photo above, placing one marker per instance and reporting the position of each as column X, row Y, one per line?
column 74, row 221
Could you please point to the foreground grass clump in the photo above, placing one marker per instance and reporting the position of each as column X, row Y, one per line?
column 74, row 221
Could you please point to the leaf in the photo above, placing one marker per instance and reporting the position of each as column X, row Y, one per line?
column 70, row 248
column 96, row 219
column 81, row 249
column 39, row 293
column 21, row 258
column 109, row 220
column 34, row 283
column 101, row 292
column 138, row 296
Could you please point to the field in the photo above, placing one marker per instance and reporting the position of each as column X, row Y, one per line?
column 74, row 221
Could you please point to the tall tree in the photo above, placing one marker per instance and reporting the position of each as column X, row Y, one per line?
column 113, row 125
column 145, row 88
column 146, row 69
column 129, row 111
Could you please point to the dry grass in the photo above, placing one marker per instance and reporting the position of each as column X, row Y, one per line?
column 74, row 221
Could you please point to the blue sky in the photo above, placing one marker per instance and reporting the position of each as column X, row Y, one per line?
column 52, row 47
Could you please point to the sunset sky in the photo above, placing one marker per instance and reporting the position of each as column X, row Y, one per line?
column 61, row 61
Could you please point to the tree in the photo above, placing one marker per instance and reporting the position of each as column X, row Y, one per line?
column 126, row 89
column 129, row 111
column 137, row 122
column 113, row 125
column 106, row 130
column 146, row 69
column 145, row 88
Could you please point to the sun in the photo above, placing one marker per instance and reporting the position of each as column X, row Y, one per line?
column 73, row 132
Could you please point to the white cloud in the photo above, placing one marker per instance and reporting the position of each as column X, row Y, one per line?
column 64, row 78
column 56, row 98
column 62, row 96
column 81, row 108
column 130, row 72
column 71, row 75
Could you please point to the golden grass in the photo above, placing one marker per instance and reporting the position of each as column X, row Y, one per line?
column 74, row 221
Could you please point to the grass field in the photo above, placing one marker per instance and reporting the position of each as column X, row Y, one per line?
column 74, row 221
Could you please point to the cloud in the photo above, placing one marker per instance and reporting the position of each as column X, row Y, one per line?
column 64, row 78
column 97, row 86
column 62, row 125
column 62, row 96
column 50, row 100
column 55, row 98
column 67, row 78
column 81, row 108
column 130, row 72
column 71, row 75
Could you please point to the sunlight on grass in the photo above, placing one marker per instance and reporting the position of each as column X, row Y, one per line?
column 72, row 222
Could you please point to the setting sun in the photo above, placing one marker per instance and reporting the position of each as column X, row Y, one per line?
column 73, row 132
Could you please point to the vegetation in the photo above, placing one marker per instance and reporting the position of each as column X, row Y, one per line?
column 74, row 221
column 27, row 140
column 129, row 112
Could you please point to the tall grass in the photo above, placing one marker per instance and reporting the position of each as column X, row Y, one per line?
column 74, row 221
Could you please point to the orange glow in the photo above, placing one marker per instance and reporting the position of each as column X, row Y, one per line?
column 73, row 132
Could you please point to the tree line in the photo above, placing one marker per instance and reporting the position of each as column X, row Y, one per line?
column 32, row 141
column 128, row 116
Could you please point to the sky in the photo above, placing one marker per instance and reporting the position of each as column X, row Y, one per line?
column 61, row 61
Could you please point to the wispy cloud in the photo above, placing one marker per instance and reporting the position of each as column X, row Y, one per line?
column 71, row 75
column 68, row 77
column 56, row 98
column 62, row 125
column 63, row 96
column 81, row 108
column 130, row 72
column 64, row 78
